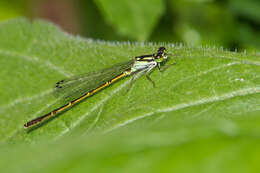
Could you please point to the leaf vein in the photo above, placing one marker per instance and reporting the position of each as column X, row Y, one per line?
column 24, row 99
column 203, row 73
column 241, row 92
column 38, row 60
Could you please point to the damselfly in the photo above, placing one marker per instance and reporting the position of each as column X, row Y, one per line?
column 76, row 89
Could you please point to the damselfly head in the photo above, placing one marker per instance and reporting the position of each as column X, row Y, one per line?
column 161, row 55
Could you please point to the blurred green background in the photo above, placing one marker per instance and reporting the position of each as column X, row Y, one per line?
column 233, row 24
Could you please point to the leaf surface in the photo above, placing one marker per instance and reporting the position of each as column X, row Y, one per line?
column 211, row 86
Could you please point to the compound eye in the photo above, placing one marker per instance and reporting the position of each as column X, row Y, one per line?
column 161, row 49
column 160, row 52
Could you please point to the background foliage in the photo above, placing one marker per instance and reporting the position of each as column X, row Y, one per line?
column 233, row 24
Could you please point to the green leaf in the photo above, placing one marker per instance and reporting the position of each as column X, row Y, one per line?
column 203, row 114
column 248, row 9
column 204, row 83
column 134, row 19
